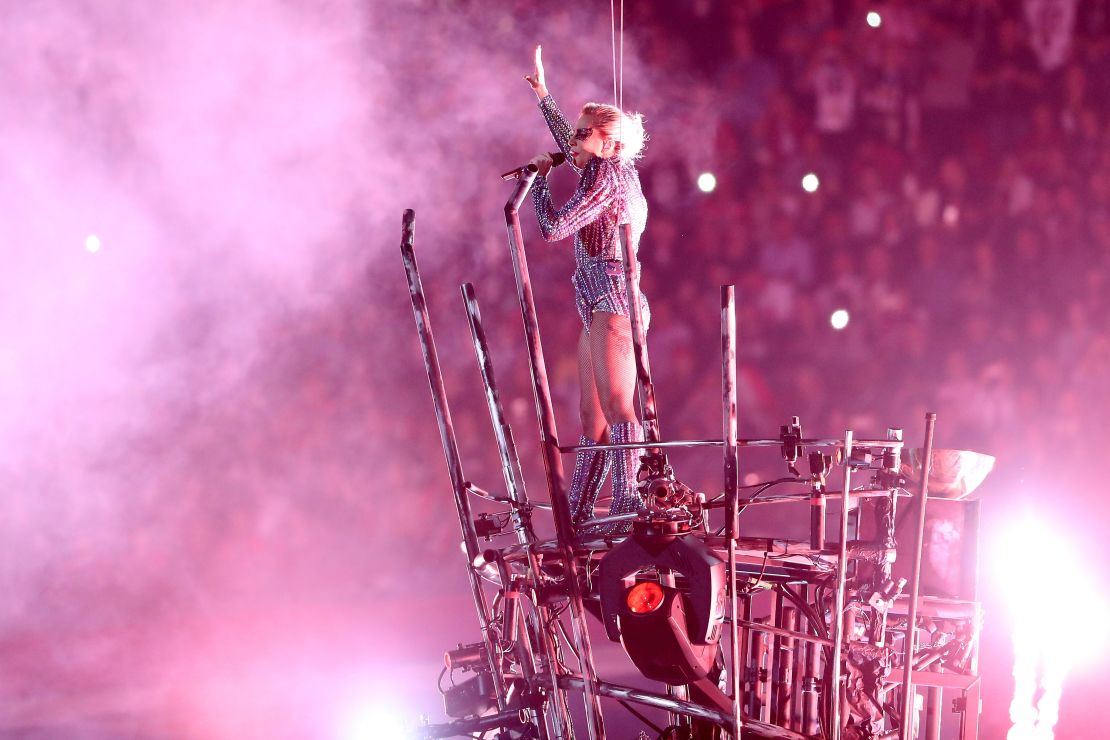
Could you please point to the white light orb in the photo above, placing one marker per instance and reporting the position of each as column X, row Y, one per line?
column 707, row 182
column 92, row 243
column 950, row 215
column 810, row 182
column 839, row 319
column 874, row 19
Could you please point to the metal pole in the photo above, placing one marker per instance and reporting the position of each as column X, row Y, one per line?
column 731, row 465
column 647, row 698
column 552, row 463
column 450, row 448
column 777, row 442
column 811, row 687
column 757, row 626
column 915, row 580
column 502, row 433
column 799, row 673
column 761, row 709
column 521, row 517
column 934, row 712
column 785, row 697
column 775, row 643
column 841, row 580
column 817, row 519
column 639, row 339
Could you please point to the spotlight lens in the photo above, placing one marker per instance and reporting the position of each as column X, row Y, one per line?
column 810, row 183
column 839, row 319
column 707, row 182
column 645, row 597
column 874, row 19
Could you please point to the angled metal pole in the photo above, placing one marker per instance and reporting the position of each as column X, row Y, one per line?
column 833, row 691
column 521, row 514
column 732, row 512
column 639, row 338
column 552, row 463
column 915, row 582
column 450, row 449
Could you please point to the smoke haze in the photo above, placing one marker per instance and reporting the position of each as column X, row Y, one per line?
column 210, row 478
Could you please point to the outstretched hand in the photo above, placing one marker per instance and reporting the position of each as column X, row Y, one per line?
column 536, row 79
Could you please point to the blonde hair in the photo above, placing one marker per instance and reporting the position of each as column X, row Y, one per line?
column 626, row 129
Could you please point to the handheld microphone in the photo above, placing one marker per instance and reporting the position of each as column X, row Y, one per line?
column 557, row 159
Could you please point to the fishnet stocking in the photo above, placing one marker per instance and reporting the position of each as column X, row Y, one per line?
column 614, row 366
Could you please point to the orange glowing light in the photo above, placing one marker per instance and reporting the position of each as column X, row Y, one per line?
column 645, row 597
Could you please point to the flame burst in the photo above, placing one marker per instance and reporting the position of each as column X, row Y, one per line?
column 1050, row 634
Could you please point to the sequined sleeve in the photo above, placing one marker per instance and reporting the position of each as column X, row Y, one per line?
column 560, row 128
column 591, row 199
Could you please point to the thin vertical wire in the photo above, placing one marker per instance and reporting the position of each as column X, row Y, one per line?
column 618, row 87
column 613, row 33
column 620, row 103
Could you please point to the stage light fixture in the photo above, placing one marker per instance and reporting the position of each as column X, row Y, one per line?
column 471, row 698
column 658, row 639
column 702, row 569
column 874, row 19
column 810, row 182
column 671, row 633
column 644, row 597
column 468, row 657
column 839, row 319
column 707, row 182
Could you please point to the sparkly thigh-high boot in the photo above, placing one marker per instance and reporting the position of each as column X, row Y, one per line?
column 590, row 469
column 626, row 463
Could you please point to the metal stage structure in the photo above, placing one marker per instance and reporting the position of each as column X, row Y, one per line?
column 747, row 638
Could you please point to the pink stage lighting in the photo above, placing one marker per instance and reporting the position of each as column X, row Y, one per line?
column 374, row 722
column 1051, row 634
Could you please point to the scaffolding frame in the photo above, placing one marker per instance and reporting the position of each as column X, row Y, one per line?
column 763, row 703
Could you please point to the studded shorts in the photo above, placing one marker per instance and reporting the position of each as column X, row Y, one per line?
column 599, row 286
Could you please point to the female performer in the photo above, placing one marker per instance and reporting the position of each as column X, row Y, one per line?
column 602, row 147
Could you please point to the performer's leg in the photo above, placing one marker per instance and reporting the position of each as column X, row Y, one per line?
column 614, row 369
column 614, row 366
column 589, row 406
column 590, row 468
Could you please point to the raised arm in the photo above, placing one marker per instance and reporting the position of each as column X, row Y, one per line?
column 558, row 124
column 587, row 204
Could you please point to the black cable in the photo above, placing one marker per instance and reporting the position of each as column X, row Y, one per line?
column 439, row 681
column 766, row 487
column 763, row 487
column 811, row 616
column 754, row 496
column 640, row 717
column 566, row 638
column 768, row 483
column 766, row 557
column 473, row 489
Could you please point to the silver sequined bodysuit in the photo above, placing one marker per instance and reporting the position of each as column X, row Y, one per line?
column 607, row 195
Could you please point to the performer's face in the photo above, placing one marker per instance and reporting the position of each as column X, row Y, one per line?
column 586, row 142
